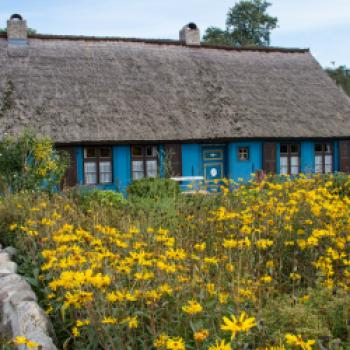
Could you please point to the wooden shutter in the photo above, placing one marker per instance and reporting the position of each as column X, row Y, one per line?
column 344, row 155
column 173, row 160
column 269, row 158
column 70, row 177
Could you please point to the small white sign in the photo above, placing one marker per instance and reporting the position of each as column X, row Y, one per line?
column 213, row 172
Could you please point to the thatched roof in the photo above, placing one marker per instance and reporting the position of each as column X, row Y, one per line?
column 111, row 90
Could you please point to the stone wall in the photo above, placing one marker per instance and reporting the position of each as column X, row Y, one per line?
column 20, row 314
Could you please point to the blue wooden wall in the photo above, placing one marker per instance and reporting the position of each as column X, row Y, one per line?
column 242, row 169
column 192, row 161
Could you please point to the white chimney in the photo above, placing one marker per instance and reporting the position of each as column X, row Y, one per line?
column 17, row 30
column 190, row 35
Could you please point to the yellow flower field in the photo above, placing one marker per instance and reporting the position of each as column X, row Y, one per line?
column 206, row 278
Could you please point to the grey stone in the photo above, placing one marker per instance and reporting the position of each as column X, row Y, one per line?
column 43, row 339
column 31, row 318
column 12, row 281
column 20, row 313
column 11, row 251
column 4, row 257
column 22, row 295
column 8, row 267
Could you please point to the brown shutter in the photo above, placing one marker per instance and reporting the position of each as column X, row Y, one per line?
column 344, row 155
column 173, row 160
column 269, row 158
column 70, row 177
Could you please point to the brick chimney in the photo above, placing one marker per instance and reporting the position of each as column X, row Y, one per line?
column 17, row 30
column 190, row 35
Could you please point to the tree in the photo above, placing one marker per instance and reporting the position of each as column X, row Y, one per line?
column 217, row 36
column 247, row 24
column 341, row 76
column 30, row 31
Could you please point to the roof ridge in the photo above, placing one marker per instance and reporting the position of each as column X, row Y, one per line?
column 162, row 42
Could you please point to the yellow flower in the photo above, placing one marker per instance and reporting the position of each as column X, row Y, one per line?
column 223, row 297
column 201, row 335
column 297, row 340
column 229, row 267
column 75, row 332
column 32, row 344
column 176, row 343
column 12, row 227
column 132, row 322
column 192, row 307
column 234, row 325
column 211, row 288
column 222, row 345
column 266, row 279
column 200, row 246
column 19, row 340
column 81, row 323
column 294, row 276
column 109, row 320
column 161, row 341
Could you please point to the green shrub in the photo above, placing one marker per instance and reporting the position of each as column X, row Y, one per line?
column 324, row 316
column 153, row 188
column 88, row 198
column 28, row 162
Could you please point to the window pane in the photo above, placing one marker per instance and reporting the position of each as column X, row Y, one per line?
column 294, row 161
column 243, row 153
column 328, row 159
column 318, row 147
column 149, row 151
column 105, row 152
column 328, row 148
column 151, row 168
column 318, row 164
column 283, row 170
column 90, row 173
column 283, row 161
column 137, row 169
column 137, row 151
column 105, row 172
column 294, row 148
column 294, row 170
column 328, row 168
column 318, row 160
column 90, row 152
column 284, row 149
column 328, row 164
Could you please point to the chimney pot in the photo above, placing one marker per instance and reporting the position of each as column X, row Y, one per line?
column 190, row 35
column 17, row 30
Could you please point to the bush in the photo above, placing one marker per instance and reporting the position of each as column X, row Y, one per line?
column 88, row 198
column 153, row 188
column 28, row 162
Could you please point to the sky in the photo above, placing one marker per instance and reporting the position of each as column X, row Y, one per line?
column 321, row 25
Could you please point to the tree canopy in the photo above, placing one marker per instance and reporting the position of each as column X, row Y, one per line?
column 247, row 24
column 341, row 75
column 30, row 31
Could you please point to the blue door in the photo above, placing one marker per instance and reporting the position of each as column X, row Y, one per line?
column 214, row 166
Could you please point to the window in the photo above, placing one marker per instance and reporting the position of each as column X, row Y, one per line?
column 243, row 153
column 289, row 159
column 98, row 165
column 144, row 161
column 323, row 158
